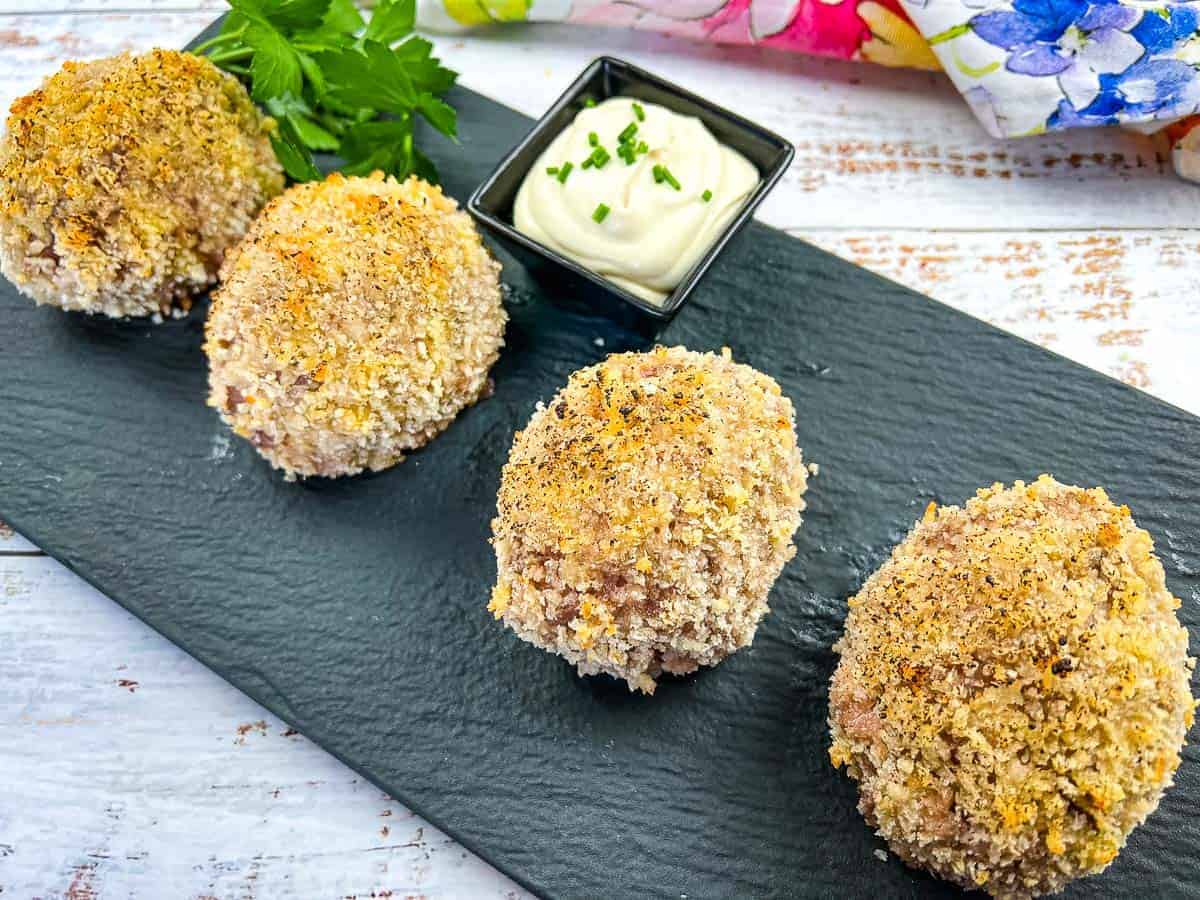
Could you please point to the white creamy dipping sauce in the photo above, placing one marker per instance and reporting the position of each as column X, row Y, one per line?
column 646, row 214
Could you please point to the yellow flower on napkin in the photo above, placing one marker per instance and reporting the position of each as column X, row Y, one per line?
column 481, row 12
column 893, row 41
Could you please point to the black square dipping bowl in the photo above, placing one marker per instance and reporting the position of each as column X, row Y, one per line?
column 492, row 202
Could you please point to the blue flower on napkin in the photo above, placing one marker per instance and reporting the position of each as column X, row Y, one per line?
column 1035, row 32
column 1048, row 64
column 1046, row 37
column 1165, row 27
column 1149, row 89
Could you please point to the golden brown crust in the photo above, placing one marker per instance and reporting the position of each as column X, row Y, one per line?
column 353, row 323
column 645, row 513
column 1013, row 690
column 123, row 181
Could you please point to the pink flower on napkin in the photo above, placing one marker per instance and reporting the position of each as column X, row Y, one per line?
column 874, row 30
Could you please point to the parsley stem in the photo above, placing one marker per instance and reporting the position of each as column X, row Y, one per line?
column 219, row 39
column 224, row 56
column 309, row 46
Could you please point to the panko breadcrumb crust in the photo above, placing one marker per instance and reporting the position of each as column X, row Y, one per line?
column 1013, row 691
column 355, row 321
column 645, row 513
column 123, row 182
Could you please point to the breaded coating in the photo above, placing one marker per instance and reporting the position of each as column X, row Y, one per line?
column 1013, row 688
column 353, row 323
column 123, row 182
column 645, row 513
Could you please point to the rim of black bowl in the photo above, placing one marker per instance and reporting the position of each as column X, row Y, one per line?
column 603, row 65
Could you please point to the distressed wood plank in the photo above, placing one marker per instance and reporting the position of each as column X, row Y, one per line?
column 76, row 7
column 13, row 544
column 875, row 147
column 1123, row 303
column 32, row 47
column 128, row 768
column 172, row 785
column 810, row 196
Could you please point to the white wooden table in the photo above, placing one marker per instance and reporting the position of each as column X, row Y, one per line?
column 129, row 770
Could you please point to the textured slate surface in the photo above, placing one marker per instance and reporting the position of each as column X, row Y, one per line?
column 355, row 609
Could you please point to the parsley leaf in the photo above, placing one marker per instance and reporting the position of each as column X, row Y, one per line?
column 296, row 160
column 282, row 14
column 275, row 68
column 369, row 77
column 312, row 72
column 427, row 73
column 335, row 83
column 298, row 114
column 384, row 144
column 438, row 114
column 391, row 20
column 343, row 16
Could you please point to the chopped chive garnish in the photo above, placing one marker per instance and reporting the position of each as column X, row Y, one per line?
column 639, row 111
column 627, row 153
column 589, row 102
column 643, row 147
column 600, row 214
column 593, row 139
column 599, row 157
column 657, row 172
column 706, row 196
column 552, row 170
column 587, row 163
column 628, row 133
column 564, row 171
column 669, row 178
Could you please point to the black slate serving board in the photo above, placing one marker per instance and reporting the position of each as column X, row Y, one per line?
column 355, row 609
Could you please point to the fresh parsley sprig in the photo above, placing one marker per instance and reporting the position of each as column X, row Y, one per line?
column 336, row 83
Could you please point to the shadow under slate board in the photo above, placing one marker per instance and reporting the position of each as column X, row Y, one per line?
column 355, row 609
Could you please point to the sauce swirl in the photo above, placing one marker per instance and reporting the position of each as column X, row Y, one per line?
column 646, row 191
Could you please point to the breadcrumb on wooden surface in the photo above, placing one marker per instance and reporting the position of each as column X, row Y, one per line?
column 123, row 182
column 1013, row 690
column 646, row 511
column 355, row 321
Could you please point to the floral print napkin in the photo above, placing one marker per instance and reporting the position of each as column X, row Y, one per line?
column 1029, row 66
column 874, row 30
column 1024, row 66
